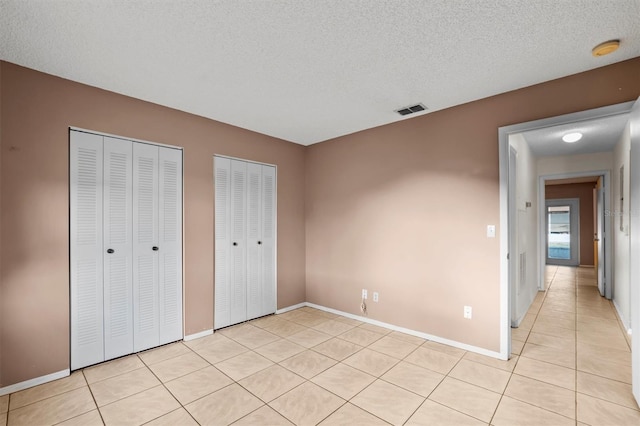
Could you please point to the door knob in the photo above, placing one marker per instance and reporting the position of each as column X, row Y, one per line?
column 155, row 248
column 235, row 244
column 110, row 251
column 259, row 242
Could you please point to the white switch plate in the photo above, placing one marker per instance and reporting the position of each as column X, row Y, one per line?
column 468, row 312
column 491, row 231
column 375, row 296
column 364, row 293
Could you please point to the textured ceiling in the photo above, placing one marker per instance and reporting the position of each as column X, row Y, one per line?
column 309, row 70
column 598, row 135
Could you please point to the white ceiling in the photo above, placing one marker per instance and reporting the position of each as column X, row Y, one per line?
column 309, row 70
column 598, row 135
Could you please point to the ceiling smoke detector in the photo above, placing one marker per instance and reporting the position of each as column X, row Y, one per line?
column 411, row 109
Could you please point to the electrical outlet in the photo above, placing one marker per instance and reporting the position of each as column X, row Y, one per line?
column 364, row 293
column 467, row 312
column 375, row 296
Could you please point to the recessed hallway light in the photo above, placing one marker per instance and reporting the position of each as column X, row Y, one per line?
column 572, row 137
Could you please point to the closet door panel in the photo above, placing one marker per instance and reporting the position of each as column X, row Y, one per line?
column 145, row 237
column 118, row 247
column 222, row 263
column 238, row 293
column 170, row 245
column 255, row 294
column 86, row 206
column 268, row 240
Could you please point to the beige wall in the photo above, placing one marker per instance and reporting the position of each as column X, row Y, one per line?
column 584, row 192
column 402, row 209
column 37, row 110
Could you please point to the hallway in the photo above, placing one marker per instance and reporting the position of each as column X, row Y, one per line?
column 574, row 347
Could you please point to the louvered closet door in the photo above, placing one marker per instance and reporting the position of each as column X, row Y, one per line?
column 222, row 185
column 86, row 205
column 238, row 287
column 170, row 245
column 268, row 246
column 145, row 238
column 118, row 248
column 255, row 290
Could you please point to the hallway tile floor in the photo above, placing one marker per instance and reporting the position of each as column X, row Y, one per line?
column 571, row 365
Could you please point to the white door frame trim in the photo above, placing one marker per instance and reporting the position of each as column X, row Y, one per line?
column 503, row 155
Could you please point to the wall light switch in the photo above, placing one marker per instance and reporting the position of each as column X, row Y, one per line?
column 491, row 231
column 364, row 293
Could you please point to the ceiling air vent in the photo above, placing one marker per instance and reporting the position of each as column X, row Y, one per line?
column 411, row 109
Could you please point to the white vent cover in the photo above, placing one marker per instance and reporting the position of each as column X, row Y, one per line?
column 411, row 109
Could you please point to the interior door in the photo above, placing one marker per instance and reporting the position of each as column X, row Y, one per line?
column 562, row 231
column 222, row 185
column 599, row 237
column 238, row 287
column 255, row 294
column 634, row 229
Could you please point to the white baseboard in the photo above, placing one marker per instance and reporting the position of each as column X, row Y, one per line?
column 291, row 308
column 34, row 382
column 198, row 335
column 426, row 336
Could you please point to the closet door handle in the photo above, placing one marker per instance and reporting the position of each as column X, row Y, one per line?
column 110, row 251
column 259, row 242
column 155, row 248
column 235, row 244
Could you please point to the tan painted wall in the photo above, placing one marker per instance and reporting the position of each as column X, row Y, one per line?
column 402, row 209
column 34, row 281
column 583, row 191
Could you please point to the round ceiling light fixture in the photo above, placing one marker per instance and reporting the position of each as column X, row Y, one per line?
column 572, row 137
column 605, row 48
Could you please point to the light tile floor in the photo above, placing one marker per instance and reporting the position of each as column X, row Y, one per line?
column 571, row 365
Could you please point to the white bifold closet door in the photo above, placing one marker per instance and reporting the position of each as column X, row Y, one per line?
column 245, row 285
column 126, row 247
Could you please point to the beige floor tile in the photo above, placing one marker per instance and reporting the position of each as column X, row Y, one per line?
column 40, row 392
column 543, row 395
column 308, row 364
column 449, row 350
column 3, row 419
column 284, row 328
column 343, row 380
column 309, row 338
column 333, row 327
column 360, row 337
column 388, row 402
column 237, row 330
column 432, row 413
column 140, row 408
column 118, row 387
column 375, row 328
column 607, row 340
column 179, row 417
column 271, row 382
column 91, row 418
column 602, row 367
column 594, row 411
column 243, row 365
column 349, row 414
column 254, row 337
column 549, row 315
column 337, row 349
column 467, row 398
column 153, row 356
column 512, row 412
column 267, row 321
column 173, row 368
column 351, row 321
column 53, row 410
column 371, row 362
column 224, row 406
column 520, row 334
column 407, row 338
column 612, row 355
column 263, row 416
column 112, row 368
column 607, row 389
column 413, row 378
column 195, row 385
column 220, row 350
column 516, row 347
column 279, row 350
column 308, row 404
column 309, row 320
column 481, row 375
column 564, row 343
column 550, row 355
column 548, row 373
column 4, row 403
column 391, row 346
column 201, row 342
column 598, row 325
column 553, row 330
column 433, row 360
column 492, row 362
